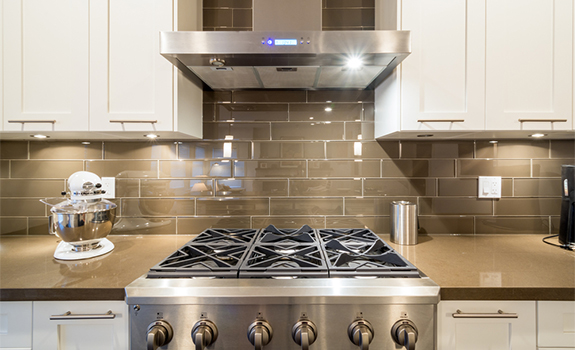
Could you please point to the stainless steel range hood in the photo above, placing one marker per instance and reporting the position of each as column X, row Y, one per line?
column 286, row 60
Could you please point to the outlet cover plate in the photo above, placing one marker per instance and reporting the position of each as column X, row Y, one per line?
column 489, row 187
column 109, row 185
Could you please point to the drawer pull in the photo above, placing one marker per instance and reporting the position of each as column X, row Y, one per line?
column 499, row 314
column 69, row 316
column 134, row 121
column 542, row 120
column 32, row 121
column 441, row 120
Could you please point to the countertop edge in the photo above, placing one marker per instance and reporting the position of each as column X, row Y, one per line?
column 61, row 294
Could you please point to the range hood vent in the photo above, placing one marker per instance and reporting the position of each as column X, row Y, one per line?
column 286, row 60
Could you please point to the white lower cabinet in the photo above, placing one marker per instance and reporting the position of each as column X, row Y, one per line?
column 16, row 325
column 556, row 325
column 81, row 329
column 480, row 325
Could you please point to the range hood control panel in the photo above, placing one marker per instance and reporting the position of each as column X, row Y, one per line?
column 285, row 41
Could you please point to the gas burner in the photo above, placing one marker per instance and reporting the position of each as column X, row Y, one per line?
column 281, row 261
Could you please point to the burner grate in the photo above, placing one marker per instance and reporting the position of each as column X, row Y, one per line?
column 265, row 260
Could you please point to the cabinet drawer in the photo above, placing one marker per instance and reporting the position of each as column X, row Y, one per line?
column 16, row 324
column 556, row 324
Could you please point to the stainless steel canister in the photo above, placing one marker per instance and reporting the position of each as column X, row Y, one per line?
column 403, row 222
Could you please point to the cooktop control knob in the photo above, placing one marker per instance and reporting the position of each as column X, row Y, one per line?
column 159, row 334
column 260, row 333
column 204, row 333
column 304, row 333
column 404, row 333
column 360, row 333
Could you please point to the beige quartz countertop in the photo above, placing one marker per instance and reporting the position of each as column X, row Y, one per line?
column 490, row 267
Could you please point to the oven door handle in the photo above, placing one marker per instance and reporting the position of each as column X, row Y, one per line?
column 499, row 314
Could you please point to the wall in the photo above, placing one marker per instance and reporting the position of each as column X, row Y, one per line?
column 292, row 163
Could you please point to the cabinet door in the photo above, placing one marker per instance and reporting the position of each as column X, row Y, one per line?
column 529, row 64
column 443, row 78
column 45, row 64
column 556, row 324
column 84, row 334
column 16, row 324
column 129, row 79
column 486, row 333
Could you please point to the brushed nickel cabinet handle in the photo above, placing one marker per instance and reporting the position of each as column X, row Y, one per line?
column 69, row 316
column 32, row 121
column 441, row 120
column 134, row 121
column 499, row 314
column 542, row 120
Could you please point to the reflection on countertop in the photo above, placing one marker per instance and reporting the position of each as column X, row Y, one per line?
column 500, row 267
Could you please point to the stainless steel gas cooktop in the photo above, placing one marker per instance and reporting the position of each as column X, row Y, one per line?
column 283, row 289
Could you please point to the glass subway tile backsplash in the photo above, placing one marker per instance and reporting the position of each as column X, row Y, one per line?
column 278, row 157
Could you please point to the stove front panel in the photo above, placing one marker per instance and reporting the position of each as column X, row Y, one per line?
column 332, row 323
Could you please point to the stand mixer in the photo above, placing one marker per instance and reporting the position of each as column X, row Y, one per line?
column 83, row 219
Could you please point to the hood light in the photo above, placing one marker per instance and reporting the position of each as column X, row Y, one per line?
column 40, row 136
column 537, row 135
column 354, row 63
column 328, row 109
column 218, row 62
column 151, row 136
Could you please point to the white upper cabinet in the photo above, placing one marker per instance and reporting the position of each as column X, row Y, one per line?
column 529, row 64
column 45, row 65
column 129, row 79
column 443, row 78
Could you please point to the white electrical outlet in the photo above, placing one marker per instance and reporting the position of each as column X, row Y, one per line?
column 109, row 185
column 489, row 187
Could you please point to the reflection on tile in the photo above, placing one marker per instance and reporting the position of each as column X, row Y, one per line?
column 399, row 187
column 372, row 205
column 513, row 149
column 198, row 224
column 190, row 168
column 307, row 131
column 445, row 225
column 507, row 225
column 47, row 169
column 551, row 167
column 368, row 112
column 251, row 112
column 563, row 149
column 349, row 3
column 288, row 150
column 127, row 188
column 239, row 131
column 496, row 167
column 344, row 168
column 359, row 131
column 66, row 150
column 269, row 168
column 537, row 187
column 176, row 188
column 217, row 18
column 457, row 187
column 555, row 225
column 528, row 206
column 13, row 226
column 325, row 188
column 455, row 206
column 306, row 206
column 13, row 150
column 140, row 150
column 21, row 207
column 437, row 149
column 208, row 112
column 268, row 96
column 4, row 169
column 348, row 17
column 378, row 224
column 232, row 206
column 325, row 112
column 214, row 150
column 137, row 207
column 38, row 226
column 144, row 226
column 260, row 187
column 227, row 3
column 418, row 168
column 217, row 96
column 242, row 18
column 288, row 221
column 340, row 96
column 31, row 188
column 363, row 150
column 124, row 168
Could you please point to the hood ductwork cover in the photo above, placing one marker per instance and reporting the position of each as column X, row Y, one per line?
column 286, row 60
